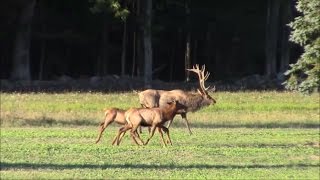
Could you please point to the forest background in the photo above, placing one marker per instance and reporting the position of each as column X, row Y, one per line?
column 63, row 40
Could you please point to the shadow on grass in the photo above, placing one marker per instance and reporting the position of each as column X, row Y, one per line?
column 5, row 165
column 49, row 122
column 256, row 124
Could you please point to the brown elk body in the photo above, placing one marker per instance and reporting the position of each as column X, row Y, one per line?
column 152, row 117
column 151, row 98
column 111, row 115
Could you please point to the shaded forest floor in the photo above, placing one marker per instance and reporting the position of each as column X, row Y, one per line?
column 125, row 83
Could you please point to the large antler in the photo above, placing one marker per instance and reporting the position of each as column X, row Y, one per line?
column 203, row 76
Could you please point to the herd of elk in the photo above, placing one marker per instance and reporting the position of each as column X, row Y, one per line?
column 158, row 107
column 193, row 101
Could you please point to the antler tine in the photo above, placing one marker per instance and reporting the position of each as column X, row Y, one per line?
column 206, row 88
column 195, row 68
column 203, row 68
column 206, row 76
column 202, row 75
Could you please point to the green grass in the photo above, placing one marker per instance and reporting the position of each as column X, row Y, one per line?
column 246, row 135
column 245, row 109
column 209, row 153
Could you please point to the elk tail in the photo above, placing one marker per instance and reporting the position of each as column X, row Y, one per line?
column 106, row 111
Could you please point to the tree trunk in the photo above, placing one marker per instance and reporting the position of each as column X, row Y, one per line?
column 21, row 50
column 139, row 54
column 272, row 28
column 209, row 46
column 171, row 67
column 124, row 49
column 285, row 46
column 133, row 53
column 194, row 51
column 187, row 59
column 43, row 53
column 135, row 9
column 147, row 44
column 42, row 58
column 139, row 39
column 102, row 63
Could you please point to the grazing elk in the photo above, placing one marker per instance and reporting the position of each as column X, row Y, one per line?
column 152, row 117
column 151, row 98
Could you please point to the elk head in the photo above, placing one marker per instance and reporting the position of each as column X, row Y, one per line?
column 203, row 76
column 177, row 106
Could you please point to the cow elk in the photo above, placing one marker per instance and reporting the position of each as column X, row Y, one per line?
column 150, row 117
column 151, row 98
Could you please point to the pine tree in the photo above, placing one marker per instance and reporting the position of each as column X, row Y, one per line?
column 304, row 75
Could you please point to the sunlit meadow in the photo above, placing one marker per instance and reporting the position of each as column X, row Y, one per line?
column 246, row 135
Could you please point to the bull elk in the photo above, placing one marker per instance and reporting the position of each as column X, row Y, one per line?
column 151, row 98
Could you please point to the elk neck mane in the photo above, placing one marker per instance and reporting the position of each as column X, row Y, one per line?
column 194, row 102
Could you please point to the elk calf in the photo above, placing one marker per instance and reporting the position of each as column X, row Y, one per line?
column 111, row 115
column 152, row 117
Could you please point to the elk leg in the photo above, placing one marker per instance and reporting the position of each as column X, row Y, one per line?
column 153, row 128
column 184, row 116
column 134, row 138
column 134, row 135
column 122, row 130
column 101, row 129
column 137, row 134
column 161, row 135
column 166, row 130
column 103, row 126
column 119, row 136
column 169, row 123
column 140, row 129
column 115, row 138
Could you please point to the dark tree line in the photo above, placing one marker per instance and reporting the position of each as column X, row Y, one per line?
column 152, row 39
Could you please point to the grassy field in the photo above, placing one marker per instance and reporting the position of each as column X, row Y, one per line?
column 246, row 135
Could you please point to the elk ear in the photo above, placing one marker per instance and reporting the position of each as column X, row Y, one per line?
column 172, row 102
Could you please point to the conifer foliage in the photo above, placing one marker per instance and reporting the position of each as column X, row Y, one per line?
column 304, row 75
